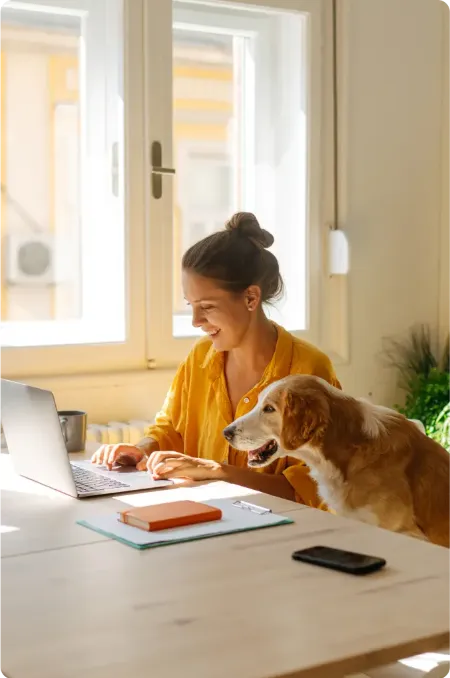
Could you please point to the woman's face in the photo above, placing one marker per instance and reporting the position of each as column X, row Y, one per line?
column 224, row 316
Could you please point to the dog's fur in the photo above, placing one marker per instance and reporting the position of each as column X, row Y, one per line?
column 370, row 463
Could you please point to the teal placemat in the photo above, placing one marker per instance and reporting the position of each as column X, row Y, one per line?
column 236, row 517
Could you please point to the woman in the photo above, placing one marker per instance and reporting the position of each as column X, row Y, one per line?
column 227, row 277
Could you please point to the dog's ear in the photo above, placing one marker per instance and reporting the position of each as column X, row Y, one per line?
column 304, row 418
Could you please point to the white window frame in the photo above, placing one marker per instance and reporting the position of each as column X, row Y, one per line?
column 130, row 353
column 148, row 251
column 163, row 348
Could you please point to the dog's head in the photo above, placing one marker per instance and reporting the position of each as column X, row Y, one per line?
column 290, row 414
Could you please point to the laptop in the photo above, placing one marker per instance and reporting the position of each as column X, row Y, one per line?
column 38, row 452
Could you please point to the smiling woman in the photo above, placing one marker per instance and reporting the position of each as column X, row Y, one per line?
column 227, row 278
column 219, row 269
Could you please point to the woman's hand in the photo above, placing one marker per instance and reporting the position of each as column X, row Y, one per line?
column 162, row 465
column 123, row 454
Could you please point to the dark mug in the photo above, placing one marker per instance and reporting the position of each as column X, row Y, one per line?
column 73, row 426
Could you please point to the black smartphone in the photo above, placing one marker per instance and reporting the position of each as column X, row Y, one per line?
column 336, row 559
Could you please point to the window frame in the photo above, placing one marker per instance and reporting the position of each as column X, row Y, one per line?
column 163, row 349
column 130, row 354
column 149, row 341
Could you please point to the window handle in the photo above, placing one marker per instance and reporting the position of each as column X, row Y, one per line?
column 163, row 170
column 158, row 170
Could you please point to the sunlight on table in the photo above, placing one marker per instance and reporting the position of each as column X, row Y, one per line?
column 425, row 662
column 11, row 482
column 8, row 528
column 217, row 490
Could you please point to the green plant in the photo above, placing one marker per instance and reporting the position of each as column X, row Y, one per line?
column 442, row 428
column 426, row 399
column 425, row 379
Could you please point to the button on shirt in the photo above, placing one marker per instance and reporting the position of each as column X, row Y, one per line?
column 197, row 407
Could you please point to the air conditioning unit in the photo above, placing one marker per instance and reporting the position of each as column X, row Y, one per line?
column 30, row 259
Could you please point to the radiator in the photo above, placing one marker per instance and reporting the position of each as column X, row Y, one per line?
column 111, row 433
column 117, row 432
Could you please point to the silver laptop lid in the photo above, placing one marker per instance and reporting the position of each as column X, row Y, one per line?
column 33, row 434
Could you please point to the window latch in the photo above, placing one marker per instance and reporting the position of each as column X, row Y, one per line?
column 158, row 170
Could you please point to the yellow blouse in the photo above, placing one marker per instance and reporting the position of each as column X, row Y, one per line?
column 197, row 407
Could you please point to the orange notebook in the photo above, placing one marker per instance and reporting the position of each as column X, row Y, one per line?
column 173, row 514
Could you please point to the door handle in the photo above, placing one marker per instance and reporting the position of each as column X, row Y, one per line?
column 158, row 170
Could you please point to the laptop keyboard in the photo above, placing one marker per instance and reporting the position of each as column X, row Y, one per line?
column 88, row 481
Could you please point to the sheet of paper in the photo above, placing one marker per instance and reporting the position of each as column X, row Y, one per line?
column 234, row 519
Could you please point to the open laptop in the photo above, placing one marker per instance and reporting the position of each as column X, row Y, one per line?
column 36, row 445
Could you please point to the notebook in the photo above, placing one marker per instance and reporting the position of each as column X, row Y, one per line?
column 237, row 516
column 172, row 514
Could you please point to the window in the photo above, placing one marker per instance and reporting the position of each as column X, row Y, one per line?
column 64, row 274
column 92, row 237
column 242, row 93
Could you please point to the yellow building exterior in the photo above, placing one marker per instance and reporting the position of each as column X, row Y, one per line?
column 203, row 119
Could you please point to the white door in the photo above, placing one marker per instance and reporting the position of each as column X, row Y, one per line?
column 235, row 118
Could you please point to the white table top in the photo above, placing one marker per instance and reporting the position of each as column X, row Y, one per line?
column 76, row 605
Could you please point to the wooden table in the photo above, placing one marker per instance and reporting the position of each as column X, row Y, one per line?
column 77, row 605
column 36, row 518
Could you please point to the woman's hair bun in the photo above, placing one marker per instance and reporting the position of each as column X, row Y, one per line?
column 247, row 226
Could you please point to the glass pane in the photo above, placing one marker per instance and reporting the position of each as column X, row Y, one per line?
column 239, row 129
column 61, row 174
column 204, row 132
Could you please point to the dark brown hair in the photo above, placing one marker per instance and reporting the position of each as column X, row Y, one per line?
column 237, row 257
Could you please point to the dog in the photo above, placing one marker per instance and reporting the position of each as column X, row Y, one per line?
column 370, row 463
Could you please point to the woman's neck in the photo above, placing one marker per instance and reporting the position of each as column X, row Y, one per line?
column 257, row 348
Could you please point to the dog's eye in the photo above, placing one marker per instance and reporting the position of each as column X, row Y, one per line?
column 268, row 409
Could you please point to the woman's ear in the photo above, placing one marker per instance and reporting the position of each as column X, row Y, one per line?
column 304, row 417
column 253, row 297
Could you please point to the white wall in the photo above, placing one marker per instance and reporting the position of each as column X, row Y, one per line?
column 394, row 206
column 394, row 198
column 445, row 217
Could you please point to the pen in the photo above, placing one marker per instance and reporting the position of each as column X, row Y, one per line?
column 251, row 507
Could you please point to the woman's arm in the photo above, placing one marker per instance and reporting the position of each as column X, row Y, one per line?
column 174, row 465
column 148, row 445
column 161, row 434
column 165, row 431
column 126, row 454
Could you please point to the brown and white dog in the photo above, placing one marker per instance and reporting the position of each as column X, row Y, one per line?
column 370, row 463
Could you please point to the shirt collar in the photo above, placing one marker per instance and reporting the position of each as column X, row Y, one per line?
column 279, row 366
column 213, row 363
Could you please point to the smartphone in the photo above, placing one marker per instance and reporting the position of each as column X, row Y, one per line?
column 336, row 559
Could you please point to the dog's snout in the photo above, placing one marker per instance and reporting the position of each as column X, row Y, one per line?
column 229, row 432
